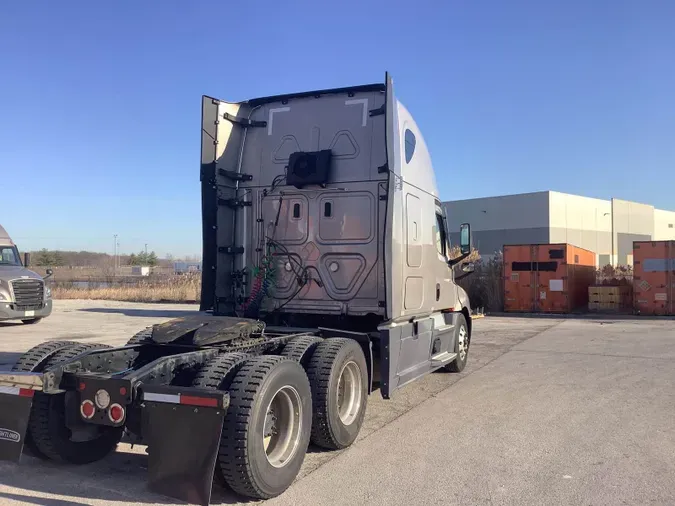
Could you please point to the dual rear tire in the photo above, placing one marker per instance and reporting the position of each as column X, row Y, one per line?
column 277, row 407
column 49, row 436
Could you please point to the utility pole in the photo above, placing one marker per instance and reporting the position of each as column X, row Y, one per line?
column 146, row 249
column 611, row 216
column 114, row 254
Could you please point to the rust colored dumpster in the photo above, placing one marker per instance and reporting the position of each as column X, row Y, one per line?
column 654, row 277
column 547, row 278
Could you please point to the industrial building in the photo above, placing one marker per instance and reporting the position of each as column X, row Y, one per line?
column 607, row 227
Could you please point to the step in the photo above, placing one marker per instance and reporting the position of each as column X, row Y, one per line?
column 443, row 359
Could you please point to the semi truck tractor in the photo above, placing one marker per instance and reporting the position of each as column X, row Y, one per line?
column 23, row 294
column 326, row 277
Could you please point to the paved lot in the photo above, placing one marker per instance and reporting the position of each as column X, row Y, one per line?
column 547, row 412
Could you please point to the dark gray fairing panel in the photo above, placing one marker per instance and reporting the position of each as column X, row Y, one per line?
column 406, row 350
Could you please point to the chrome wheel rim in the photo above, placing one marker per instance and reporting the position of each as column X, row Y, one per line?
column 462, row 342
column 349, row 393
column 282, row 427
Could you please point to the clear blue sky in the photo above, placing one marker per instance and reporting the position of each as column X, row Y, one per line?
column 100, row 101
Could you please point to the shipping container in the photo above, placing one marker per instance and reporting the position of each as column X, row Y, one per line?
column 654, row 277
column 547, row 278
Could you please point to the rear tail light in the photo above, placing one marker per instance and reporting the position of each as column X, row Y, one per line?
column 87, row 409
column 116, row 413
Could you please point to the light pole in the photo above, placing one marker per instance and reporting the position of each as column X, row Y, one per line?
column 114, row 254
column 611, row 218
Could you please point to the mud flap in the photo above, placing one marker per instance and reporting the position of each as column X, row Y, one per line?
column 183, row 433
column 15, row 404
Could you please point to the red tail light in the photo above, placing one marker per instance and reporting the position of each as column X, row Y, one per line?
column 87, row 409
column 116, row 413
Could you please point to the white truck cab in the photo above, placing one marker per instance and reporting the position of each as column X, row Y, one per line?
column 23, row 293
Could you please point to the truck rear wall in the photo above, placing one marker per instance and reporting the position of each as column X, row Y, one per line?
column 549, row 278
column 331, row 234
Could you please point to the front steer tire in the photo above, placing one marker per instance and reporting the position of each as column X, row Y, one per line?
column 462, row 340
column 337, row 362
column 47, row 424
column 247, row 469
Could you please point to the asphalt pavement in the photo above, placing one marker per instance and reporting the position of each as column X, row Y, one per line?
column 548, row 411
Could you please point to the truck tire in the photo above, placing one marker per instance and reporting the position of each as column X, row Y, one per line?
column 142, row 337
column 35, row 358
column 47, row 424
column 33, row 361
column 32, row 321
column 219, row 372
column 301, row 349
column 461, row 346
column 267, row 427
column 338, row 376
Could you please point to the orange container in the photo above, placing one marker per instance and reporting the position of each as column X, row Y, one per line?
column 547, row 278
column 654, row 277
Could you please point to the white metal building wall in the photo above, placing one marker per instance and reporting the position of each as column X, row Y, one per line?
column 606, row 227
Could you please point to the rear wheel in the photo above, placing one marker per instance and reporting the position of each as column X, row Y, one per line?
column 33, row 361
column 35, row 358
column 267, row 427
column 51, row 435
column 32, row 321
column 301, row 349
column 339, row 378
column 142, row 337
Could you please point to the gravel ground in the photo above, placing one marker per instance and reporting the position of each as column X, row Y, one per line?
column 548, row 411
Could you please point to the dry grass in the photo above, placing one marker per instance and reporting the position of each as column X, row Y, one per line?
column 185, row 288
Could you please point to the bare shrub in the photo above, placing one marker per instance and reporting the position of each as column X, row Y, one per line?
column 186, row 288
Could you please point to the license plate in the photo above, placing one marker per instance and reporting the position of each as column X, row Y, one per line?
column 30, row 313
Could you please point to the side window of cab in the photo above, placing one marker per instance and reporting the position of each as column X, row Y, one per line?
column 441, row 236
column 410, row 142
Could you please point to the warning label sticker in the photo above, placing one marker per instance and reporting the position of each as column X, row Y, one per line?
column 660, row 296
column 644, row 286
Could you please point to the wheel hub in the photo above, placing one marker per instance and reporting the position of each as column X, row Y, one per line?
column 349, row 393
column 282, row 426
column 463, row 344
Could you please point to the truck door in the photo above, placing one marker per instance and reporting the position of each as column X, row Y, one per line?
column 445, row 287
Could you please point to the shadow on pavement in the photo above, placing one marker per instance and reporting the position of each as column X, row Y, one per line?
column 121, row 477
column 8, row 359
column 42, row 501
column 13, row 323
column 147, row 313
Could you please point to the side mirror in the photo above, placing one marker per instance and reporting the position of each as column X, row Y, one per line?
column 468, row 267
column 49, row 273
column 26, row 259
column 465, row 238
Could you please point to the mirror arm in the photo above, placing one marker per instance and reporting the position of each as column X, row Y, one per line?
column 455, row 261
column 462, row 276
